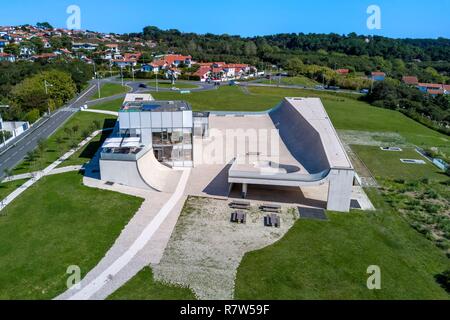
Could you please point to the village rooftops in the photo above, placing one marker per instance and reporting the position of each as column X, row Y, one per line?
column 156, row 106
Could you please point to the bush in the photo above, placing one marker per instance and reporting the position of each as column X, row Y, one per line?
column 32, row 116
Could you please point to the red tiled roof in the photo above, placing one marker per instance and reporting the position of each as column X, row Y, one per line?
column 171, row 58
column 431, row 85
column 343, row 71
column 434, row 91
column 378, row 73
column 410, row 80
column 202, row 71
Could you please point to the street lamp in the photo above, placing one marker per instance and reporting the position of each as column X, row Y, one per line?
column 98, row 81
column 47, row 85
column 1, row 126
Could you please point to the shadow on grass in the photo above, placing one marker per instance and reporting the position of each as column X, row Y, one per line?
column 444, row 280
column 91, row 149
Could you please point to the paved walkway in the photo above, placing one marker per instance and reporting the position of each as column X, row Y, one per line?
column 112, row 113
column 30, row 175
column 141, row 243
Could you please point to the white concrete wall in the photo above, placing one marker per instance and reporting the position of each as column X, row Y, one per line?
column 340, row 189
column 122, row 172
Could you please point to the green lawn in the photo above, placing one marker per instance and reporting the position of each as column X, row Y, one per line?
column 387, row 164
column 328, row 260
column 168, row 85
column 143, row 287
column 297, row 81
column 113, row 105
column 110, row 89
column 62, row 141
column 56, row 224
column 7, row 187
column 226, row 98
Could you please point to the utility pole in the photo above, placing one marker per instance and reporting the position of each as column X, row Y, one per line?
column 157, row 89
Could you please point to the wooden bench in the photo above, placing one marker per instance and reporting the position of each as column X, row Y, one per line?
column 271, row 208
column 240, row 205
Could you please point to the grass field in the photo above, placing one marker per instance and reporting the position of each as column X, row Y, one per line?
column 56, row 224
column 7, row 187
column 65, row 138
column 110, row 89
column 387, row 164
column 143, row 287
column 113, row 105
column 296, row 81
column 328, row 260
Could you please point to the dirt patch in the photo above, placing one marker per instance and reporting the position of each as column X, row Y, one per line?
column 206, row 249
column 366, row 138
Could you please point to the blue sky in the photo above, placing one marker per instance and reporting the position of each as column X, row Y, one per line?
column 400, row 18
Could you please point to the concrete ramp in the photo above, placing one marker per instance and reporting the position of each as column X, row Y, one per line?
column 301, row 138
column 144, row 173
column 156, row 175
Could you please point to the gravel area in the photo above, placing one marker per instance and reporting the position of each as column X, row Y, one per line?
column 206, row 249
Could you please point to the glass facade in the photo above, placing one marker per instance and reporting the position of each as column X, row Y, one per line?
column 168, row 131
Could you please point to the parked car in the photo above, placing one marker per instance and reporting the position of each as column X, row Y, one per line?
column 143, row 85
column 364, row 91
column 319, row 87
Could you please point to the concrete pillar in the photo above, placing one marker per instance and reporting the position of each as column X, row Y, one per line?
column 340, row 189
column 244, row 190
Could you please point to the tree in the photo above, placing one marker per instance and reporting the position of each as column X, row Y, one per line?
column 30, row 93
column 42, row 145
column 294, row 66
column 44, row 25
column 12, row 49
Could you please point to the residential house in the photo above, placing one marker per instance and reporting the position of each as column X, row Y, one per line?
column 155, row 66
column 378, row 76
column 175, row 60
column 7, row 57
column 44, row 56
column 204, row 73
column 434, row 88
column 84, row 46
column 113, row 48
column 410, row 80
column 3, row 44
column 343, row 71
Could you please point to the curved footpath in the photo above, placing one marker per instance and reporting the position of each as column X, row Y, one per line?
column 140, row 244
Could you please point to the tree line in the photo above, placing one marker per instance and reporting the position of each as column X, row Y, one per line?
column 22, row 86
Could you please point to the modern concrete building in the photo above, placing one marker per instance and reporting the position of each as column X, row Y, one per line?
column 316, row 155
column 154, row 137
